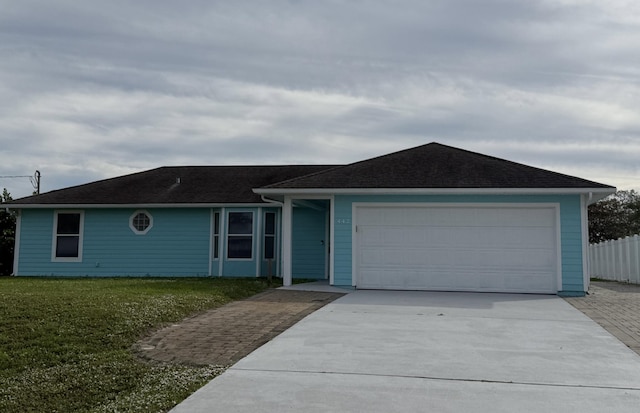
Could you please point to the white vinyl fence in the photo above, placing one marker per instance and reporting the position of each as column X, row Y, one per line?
column 617, row 260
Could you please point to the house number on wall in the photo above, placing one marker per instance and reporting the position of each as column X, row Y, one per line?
column 343, row 221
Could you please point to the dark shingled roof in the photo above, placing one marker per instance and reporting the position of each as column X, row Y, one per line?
column 436, row 166
column 198, row 185
column 428, row 166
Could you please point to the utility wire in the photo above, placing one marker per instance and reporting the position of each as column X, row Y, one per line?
column 34, row 179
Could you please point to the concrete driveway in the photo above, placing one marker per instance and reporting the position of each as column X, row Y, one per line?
column 386, row 351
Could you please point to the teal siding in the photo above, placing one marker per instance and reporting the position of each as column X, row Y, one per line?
column 34, row 252
column 176, row 245
column 571, row 233
column 179, row 242
column 308, row 243
column 570, row 230
column 342, row 237
column 239, row 268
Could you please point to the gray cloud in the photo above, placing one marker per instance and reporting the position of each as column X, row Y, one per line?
column 91, row 90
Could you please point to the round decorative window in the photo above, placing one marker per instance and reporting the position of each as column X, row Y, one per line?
column 141, row 222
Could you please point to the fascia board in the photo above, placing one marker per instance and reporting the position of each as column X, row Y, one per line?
column 594, row 192
column 123, row 206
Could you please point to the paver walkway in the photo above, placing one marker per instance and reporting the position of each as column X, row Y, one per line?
column 616, row 307
column 226, row 334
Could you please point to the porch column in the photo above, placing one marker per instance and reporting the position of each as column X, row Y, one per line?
column 287, row 219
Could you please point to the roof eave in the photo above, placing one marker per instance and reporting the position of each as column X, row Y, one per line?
column 137, row 206
column 593, row 193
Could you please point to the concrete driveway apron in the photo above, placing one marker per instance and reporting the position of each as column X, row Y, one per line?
column 386, row 351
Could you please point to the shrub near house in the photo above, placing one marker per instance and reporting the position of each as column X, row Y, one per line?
column 7, row 236
column 616, row 216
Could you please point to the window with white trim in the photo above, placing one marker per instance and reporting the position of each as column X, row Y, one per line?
column 216, row 235
column 67, row 238
column 269, row 235
column 240, row 235
column 141, row 222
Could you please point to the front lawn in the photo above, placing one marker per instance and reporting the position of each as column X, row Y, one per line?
column 65, row 344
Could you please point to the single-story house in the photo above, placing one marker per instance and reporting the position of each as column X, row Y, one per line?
column 432, row 217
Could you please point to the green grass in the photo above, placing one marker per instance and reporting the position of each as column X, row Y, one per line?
column 65, row 344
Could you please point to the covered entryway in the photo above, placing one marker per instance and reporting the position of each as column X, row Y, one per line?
column 457, row 247
column 306, row 238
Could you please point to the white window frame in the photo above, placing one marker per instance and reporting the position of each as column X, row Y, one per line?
column 54, row 241
column 134, row 215
column 230, row 234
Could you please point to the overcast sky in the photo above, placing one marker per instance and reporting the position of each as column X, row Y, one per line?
column 97, row 89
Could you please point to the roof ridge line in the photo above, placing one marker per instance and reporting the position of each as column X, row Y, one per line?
column 353, row 163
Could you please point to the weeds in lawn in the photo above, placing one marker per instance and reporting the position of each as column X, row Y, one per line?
column 65, row 343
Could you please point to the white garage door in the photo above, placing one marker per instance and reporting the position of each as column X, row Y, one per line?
column 457, row 248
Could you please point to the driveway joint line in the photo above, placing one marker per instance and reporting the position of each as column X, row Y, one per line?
column 402, row 376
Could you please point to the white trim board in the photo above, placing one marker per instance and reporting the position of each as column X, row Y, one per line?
column 138, row 206
column 584, row 217
column 305, row 193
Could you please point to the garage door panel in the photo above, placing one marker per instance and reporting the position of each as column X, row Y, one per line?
column 457, row 236
column 448, row 216
column 456, row 257
column 457, row 248
column 470, row 280
column 372, row 236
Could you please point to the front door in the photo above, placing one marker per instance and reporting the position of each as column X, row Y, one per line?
column 310, row 241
